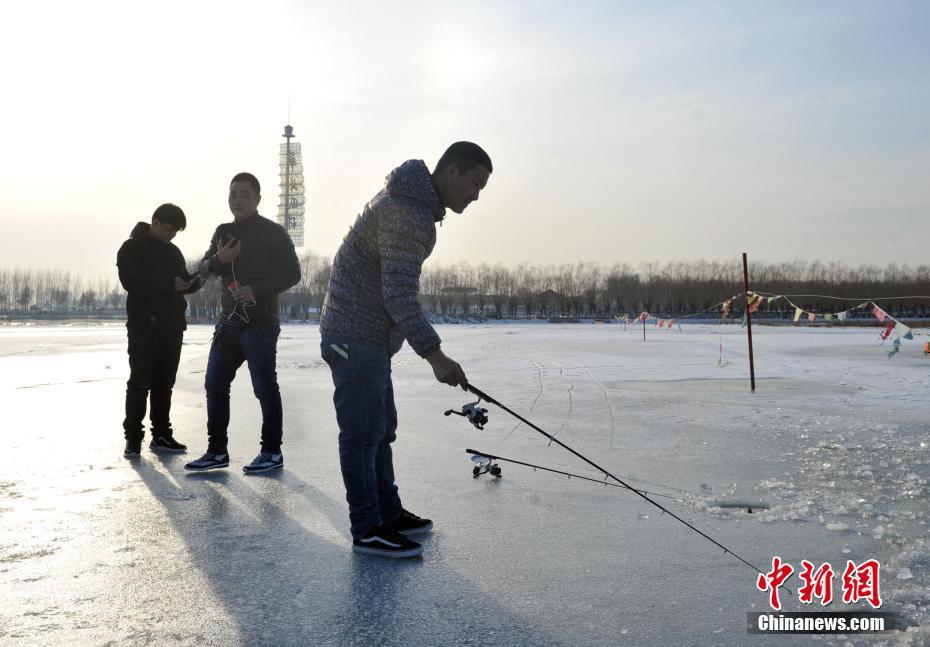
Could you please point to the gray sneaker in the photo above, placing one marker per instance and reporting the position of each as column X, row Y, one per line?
column 264, row 462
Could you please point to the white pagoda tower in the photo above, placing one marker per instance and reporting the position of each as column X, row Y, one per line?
column 292, row 198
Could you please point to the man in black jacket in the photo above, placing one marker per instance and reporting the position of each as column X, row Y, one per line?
column 153, row 273
column 255, row 258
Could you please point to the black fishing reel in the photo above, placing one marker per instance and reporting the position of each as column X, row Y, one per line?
column 478, row 416
column 484, row 465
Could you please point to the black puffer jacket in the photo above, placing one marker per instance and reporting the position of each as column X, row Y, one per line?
column 147, row 268
column 267, row 263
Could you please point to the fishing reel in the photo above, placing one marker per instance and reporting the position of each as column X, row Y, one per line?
column 478, row 416
column 483, row 465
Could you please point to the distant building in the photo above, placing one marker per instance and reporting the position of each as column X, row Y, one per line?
column 292, row 199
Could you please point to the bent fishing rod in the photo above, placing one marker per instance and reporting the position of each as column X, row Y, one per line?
column 469, row 412
column 570, row 475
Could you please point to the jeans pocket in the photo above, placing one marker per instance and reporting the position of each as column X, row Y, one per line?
column 267, row 333
column 336, row 355
column 340, row 349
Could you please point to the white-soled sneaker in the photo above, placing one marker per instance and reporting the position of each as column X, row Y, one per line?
column 383, row 541
column 264, row 462
column 410, row 524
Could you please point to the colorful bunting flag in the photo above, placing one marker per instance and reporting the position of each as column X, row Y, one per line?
column 843, row 316
column 879, row 313
column 797, row 314
column 884, row 334
column 828, row 317
column 811, row 316
column 903, row 331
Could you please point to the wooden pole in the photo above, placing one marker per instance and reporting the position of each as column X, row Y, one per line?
column 752, row 369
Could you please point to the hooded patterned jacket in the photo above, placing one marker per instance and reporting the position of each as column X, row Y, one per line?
column 375, row 278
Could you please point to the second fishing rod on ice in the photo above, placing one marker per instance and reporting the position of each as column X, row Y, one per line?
column 478, row 417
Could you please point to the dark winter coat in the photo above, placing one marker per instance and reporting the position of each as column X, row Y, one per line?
column 267, row 263
column 375, row 276
column 147, row 269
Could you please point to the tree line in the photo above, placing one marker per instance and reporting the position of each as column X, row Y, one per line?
column 583, row 289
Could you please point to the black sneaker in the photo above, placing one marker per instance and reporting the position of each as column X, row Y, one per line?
column 133, row 448
column 167, row 444
column 264, row 462
column 381, row 540
column 208, row 462
column 410, row 524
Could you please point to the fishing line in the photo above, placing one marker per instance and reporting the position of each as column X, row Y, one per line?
column 552, row 439
column 570, row 475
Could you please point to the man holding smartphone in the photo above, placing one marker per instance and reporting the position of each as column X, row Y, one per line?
column 255, row 259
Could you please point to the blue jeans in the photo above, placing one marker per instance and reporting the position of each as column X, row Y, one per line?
column 367, row 417
column 231, row 346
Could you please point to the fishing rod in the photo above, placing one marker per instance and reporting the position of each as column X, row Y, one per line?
column 552, row 439
column 492, row 457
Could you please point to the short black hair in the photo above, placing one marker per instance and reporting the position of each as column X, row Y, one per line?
column 171, row 214
column 247, row 177
column 466, row 156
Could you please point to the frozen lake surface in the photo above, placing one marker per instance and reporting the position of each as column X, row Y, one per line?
column 96, row 549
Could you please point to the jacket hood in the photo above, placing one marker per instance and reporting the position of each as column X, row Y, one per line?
column 413, row 180
column 141, row 229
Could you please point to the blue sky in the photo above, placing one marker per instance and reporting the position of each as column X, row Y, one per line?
column 620, row 132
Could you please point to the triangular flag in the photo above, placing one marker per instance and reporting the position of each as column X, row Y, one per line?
column 884, row 334
column 811, row 316
column 797, row 313
column 879, row 313
column 828, row 317
column 903, row 331
column 843, row 315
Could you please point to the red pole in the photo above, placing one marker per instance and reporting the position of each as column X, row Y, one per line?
column 752, row 369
